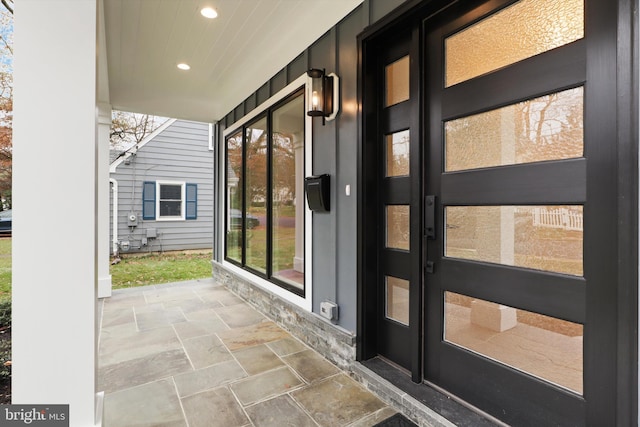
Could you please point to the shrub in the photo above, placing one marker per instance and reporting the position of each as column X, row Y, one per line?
column 5, row 356
column 5, row 312
column 5, row 342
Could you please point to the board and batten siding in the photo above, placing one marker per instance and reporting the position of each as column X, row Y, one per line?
column 178, row 153
column 335, row 152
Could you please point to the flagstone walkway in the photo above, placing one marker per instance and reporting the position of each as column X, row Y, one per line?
column 194, row 354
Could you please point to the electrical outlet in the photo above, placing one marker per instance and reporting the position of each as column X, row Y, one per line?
column 329, row 310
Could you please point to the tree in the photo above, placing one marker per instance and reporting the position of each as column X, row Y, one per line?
column 6, row 102
column 6, row 152
column 256, row 167
column 8, row 4
column 283, row 159
column 128, row 129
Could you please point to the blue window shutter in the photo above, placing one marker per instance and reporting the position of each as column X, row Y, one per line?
column 149, row 200
column 192, row 201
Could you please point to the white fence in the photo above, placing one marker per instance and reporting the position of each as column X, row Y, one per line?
column 557, row 218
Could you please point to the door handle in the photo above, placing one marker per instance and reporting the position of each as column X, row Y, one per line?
column 429, row 228
column 428, row 267
column 430, row 217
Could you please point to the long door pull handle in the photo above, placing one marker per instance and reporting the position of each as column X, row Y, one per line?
column 430, row 217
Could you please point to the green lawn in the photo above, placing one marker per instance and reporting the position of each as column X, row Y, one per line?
column 284, row 247
column 5, row 267
column 132, row 270
column 151, row 269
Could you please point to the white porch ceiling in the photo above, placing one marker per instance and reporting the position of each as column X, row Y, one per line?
column 230, row 56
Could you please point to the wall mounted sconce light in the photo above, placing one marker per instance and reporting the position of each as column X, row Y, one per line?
column 323, row 94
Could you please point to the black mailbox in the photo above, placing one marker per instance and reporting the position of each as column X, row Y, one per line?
column 317, row 189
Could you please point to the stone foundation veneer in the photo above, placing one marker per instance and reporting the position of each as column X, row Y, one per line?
column 331, row 341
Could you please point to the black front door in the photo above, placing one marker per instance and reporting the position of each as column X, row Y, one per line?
column 397, row 212
column 506, row 302
column 488, row 220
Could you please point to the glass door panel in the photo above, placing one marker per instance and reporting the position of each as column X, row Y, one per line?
column 548, row 238
column 397, row 227
column 397, row 82
column 397, row 300
column 539, row 345
column 397, row 154
column 541, row 129
column 520, row 31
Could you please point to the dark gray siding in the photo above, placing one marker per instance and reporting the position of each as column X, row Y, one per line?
column 179, row 153
column 335, row 151
column 346, row 164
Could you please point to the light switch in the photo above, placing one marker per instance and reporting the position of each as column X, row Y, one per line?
column 347, row 189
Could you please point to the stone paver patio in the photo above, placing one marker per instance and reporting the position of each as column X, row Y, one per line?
column 193, row 354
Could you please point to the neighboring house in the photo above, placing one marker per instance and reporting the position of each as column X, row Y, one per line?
column 162, row 191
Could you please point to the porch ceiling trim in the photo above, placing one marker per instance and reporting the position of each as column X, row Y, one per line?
column 230, row 56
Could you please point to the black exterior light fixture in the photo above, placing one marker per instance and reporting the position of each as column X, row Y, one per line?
column 323, row 94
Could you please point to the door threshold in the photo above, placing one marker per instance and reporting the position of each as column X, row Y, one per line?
column 419, row 401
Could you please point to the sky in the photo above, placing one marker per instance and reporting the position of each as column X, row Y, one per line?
column 6, row 32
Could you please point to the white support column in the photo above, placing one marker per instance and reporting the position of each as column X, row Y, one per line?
column 498, row 317
column 104, row 241
column 54, row 195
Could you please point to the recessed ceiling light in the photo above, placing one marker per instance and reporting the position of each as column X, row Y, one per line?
column 184, row 66
column 208, row 12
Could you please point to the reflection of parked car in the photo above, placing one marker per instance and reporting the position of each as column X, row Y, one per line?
column 236, row 220
column 5, row 222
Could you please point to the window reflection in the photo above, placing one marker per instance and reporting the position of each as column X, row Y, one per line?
column 170, row 203
column 548, row 238
column 397, row 299
column 546, row 128
column 256, row 195
column 235, row 187
column 398, row 153
column 398, row 227
column 266, row 204
column 542, row 346
column 288, row 204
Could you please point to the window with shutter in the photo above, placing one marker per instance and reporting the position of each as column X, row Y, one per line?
column 170, row 202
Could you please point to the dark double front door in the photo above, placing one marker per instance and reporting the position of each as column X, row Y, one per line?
column 486, row 266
